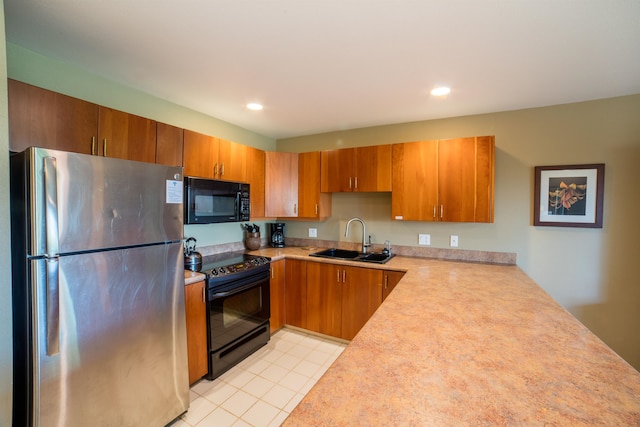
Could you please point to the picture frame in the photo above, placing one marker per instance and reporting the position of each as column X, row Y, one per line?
column 569, row 196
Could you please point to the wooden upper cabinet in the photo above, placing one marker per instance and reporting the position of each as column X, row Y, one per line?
column 200, row 154
column 42, row 118
column 169, row 144
column 447, row 180
column 232, row 161
column 363, row 169
column 415, row 181
column 126, row 136
column 255, row 178
column 312, row 204
column 281, row 184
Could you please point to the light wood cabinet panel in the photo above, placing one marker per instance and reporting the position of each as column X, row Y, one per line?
column 324, row 298
column 255, row 178
column 126, row 136
column 169, row 144
column 276, row 286
column 196, row 317
column 447, row 180
column 200, row 154
column 42, row 118
column 415, row 181
column 312, row 204
column 364, row 169
column 295, row 293
column 361, row 297
column 281, row 184
column 390, row 279
column 232, row 161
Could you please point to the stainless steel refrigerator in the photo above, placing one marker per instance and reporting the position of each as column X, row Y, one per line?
column 98, row 290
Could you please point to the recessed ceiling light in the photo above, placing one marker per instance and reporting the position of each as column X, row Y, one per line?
column 440, row 91
column 254, row 106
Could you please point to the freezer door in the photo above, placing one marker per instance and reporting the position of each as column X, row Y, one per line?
column 92, row 202
column 122, row 358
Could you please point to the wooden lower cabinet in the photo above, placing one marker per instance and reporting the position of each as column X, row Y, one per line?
column 276, row 286
column 341, row 299
column 390, row 279
column 196, row 314
column 295, row 293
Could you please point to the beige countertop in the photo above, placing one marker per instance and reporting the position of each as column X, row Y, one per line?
column 192, row 277
column 469, row 344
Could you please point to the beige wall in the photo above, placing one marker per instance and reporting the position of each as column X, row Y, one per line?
column 591, row 272
column 6, row 353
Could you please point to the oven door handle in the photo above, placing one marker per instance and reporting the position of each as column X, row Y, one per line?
column 233, row 291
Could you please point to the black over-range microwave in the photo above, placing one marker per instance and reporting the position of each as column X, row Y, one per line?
column 208, row 201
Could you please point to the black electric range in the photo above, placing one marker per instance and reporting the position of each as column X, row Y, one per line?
column 232, row 266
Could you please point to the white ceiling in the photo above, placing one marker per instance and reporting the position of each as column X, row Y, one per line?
column 323, row 65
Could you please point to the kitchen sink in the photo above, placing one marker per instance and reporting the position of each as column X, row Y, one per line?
column 347, row 255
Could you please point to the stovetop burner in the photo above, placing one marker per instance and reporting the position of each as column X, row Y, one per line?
column 231, row 264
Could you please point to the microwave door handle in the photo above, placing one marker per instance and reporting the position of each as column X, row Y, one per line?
column 51, row 256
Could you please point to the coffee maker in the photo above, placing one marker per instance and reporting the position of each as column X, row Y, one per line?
column 277, row 234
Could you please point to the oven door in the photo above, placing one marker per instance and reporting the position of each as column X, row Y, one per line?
column 237, row 308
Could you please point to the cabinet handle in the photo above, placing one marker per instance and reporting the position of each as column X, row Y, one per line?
column 222, row 169
column 272, row 274
column 104, row 147
column 338, row 276
column 215, row 170
column 434, row 211
column 344, row 276
column 93, row 145
column 316, row 209
column 349, row 183
column 441, row 211
column 203, row 295
column 355, row 187
column 386, row 281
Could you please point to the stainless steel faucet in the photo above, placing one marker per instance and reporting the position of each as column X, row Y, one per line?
column 364, row 233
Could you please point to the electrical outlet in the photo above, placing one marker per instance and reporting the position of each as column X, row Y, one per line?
column 454, row 241
column 313, row 232
column 424, row 239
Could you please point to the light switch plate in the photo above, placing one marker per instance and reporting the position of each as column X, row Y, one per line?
column 424, row 239
column 454, row 241
column 313, row 232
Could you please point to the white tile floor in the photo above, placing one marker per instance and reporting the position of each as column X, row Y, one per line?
column 265, row 387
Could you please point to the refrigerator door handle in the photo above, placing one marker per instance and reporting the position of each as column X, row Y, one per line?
column 53, row 307
column 51, row 207
column 51, row 255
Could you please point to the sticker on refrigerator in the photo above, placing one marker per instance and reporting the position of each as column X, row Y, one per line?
column 174, row 192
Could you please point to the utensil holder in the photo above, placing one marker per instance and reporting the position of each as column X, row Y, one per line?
column 253, row 241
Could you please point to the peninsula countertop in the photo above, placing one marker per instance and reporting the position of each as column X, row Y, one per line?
column 469, row 344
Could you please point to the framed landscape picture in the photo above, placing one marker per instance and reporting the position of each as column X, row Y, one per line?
column 569, row 196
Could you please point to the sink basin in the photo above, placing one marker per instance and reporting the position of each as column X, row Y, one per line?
column 347, row 255
column 337, row 253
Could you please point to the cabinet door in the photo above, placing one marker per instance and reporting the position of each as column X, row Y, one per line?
column 169, row 144
column 196, row 316
column 200, row 154
column 372, row 168
column 390, row 279
column 42, row 118
column 456, row 179
column 255, row 178
column 126, row 136
column 276, row 286
column 337, row 170
column 281, row 184
column 324, row 298
column 485, row 146
column 232, row 161
column 415, row 181
column 311, row 202
column 295, row 293
column 361, row 297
